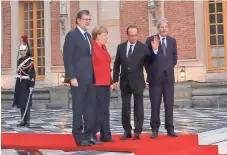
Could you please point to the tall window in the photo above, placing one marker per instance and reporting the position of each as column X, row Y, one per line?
column 32, row 25
column 216, row 22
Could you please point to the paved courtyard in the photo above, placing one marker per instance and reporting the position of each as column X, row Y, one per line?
column 209, row 123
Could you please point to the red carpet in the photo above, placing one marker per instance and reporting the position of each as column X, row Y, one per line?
column 163, row 145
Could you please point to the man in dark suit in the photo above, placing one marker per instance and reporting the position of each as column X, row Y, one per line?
column 131, row 58
column 77, row 55
column 160, row 70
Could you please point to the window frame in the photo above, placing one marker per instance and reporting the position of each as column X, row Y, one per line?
column 207, row 29
column 35, row 37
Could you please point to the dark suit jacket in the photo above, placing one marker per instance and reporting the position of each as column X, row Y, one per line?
column 159, row 63
column 131, row 71
column 77, row 57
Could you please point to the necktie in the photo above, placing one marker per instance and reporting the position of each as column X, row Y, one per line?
column 130, row 51
column 86, row 36
column 163, row 46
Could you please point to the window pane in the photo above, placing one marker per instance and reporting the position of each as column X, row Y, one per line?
column 43, row 50
column 219, row 7
column 39, row 51
column 39, row 62
column 42, row 32
column 213, row 40
column 30, row 15
column 25, row 25
column 211, row 8
column 42, row 13
column 43, row 61
column 30, row 6
column 213, row 52
column 221, row 62
column 221, row 52
column 31, row 25
column 26, row 32
column 38, row 14
column 39, row 71
column 25, row 15
column 221, row 40
column 31, row 34
column 38, row 23
column 212, row 19
column 214, row 63
column 219, row 18
column 43, row 70
column 220, row 29
column 42, row 42
column 213, row 29
column 38, row 33
column 25, row 6
column 38, row 42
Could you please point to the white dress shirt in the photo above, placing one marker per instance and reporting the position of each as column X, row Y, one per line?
column 85, row 36
column 128, row 46
column 165, row 42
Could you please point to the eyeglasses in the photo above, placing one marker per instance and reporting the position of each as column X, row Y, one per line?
column 87, row 19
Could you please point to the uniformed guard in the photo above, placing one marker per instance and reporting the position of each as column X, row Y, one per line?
column 25, row 82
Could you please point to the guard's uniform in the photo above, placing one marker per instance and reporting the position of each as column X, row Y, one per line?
column 25, row 82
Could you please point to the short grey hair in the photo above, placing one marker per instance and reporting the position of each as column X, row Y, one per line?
column 161, row 20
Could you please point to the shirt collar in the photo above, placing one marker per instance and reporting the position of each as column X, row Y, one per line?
column 131, row 44
column 81, row 30
column 161, row 37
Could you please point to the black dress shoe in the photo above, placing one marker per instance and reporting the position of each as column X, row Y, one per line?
column 136, row 136
column 172, row 133
column 21, row 124
column 126, row 136
column 84, row 143
column 94, row 141
column 154, row 134
column 27, row 124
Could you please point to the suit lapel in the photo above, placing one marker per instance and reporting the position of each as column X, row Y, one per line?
column 125, row 50
column 85, row 42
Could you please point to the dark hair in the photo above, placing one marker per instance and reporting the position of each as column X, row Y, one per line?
column 131, row 27
column 81, row 13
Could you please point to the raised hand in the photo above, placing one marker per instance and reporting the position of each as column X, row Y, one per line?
column 155, row 43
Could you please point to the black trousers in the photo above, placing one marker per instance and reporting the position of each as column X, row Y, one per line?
column 156, row 91
column 27, row 114
column 102, row 103
column 126, row 93
column 83, row 105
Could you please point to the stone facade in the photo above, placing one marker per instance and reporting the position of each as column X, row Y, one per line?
column 186, row 18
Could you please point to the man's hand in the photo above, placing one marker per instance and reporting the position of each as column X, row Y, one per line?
column 115, row 86
column 155, row 43
column 74, row 82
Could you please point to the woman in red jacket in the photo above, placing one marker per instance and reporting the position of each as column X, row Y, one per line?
column 102, row 70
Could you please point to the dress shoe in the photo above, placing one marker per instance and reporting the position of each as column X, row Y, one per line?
column 93, row 141
column 136, row 136
column 154, row 134
column 84, row 143
column 27, row 124
column 21, row 124
column 126, row 136
column 172, row 133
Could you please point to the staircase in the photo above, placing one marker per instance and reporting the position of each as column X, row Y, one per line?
column 186, row 95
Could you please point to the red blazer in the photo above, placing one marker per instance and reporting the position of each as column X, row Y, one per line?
column 101, row 63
